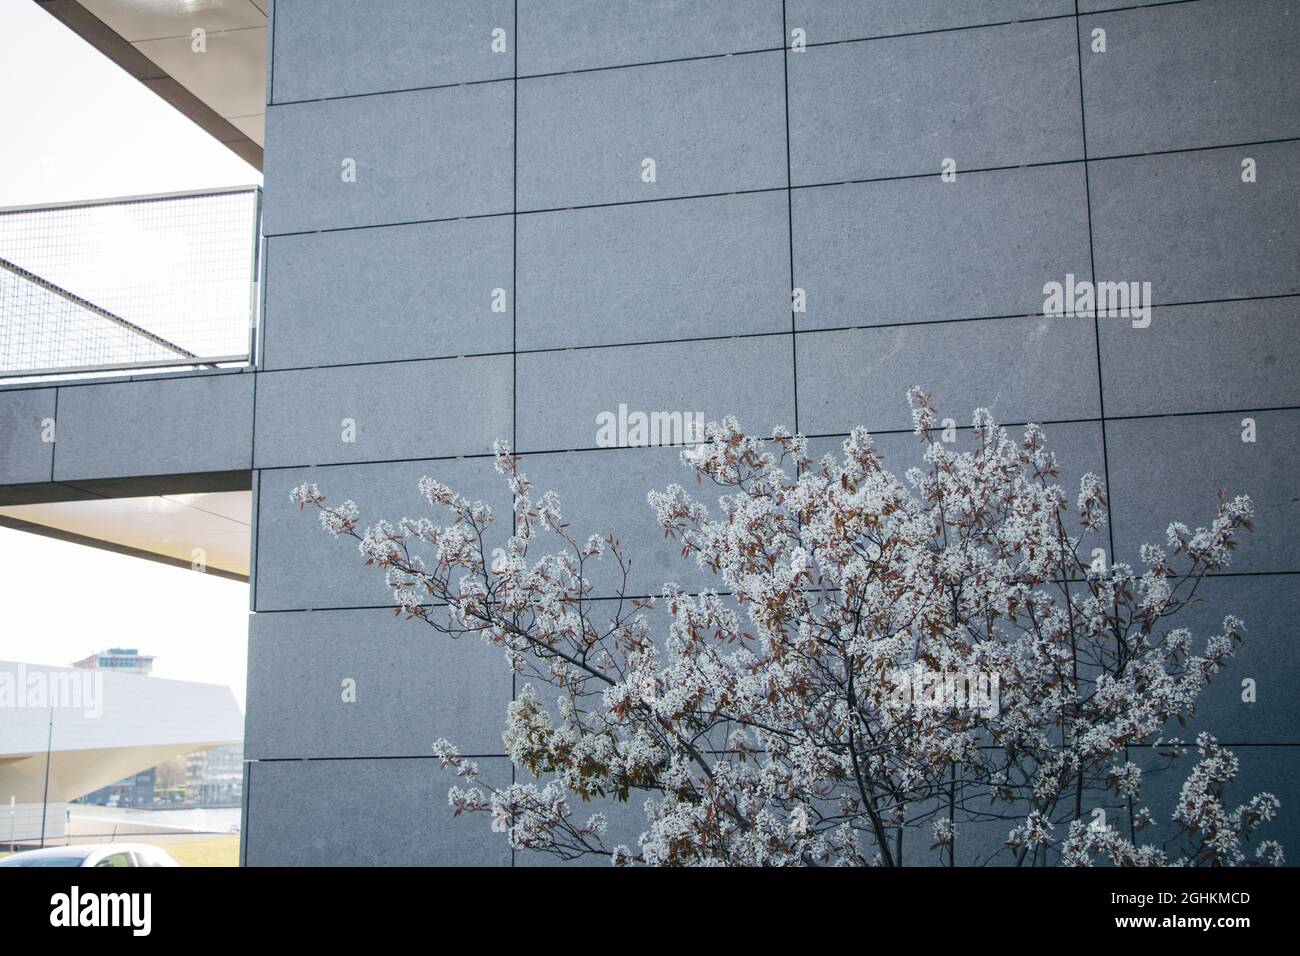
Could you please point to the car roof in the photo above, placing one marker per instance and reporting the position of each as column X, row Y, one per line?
column 124, row 847
column 85, row 849
column 81, row 849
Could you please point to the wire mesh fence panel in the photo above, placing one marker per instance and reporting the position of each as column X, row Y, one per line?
column 158, row 281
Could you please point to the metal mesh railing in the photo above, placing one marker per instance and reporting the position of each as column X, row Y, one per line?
column 149, row 282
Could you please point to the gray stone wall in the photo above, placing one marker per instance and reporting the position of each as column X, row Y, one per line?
column 522, row 171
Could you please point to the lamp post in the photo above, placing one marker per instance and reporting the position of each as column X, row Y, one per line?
column 49, row 743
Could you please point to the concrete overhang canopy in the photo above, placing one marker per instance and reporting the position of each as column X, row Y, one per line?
column 179, row 529
column 221, row 87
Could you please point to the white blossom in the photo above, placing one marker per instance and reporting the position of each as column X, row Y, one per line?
column 760, row 723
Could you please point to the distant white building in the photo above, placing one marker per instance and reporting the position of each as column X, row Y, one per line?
column 99, row 725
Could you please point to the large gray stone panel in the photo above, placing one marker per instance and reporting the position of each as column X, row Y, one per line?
column 269, row 7
column 435, row 409
column 981, row 825
column 347, row 47
column 398, row 292
column 386, row 812
column 604, row 492
column 155, row 427
column 413, row 685
column 1092, row 6
column 561, row 394
column 654, row 271
column 1172, row 469
column 1186, row 223
column 1192, row 74
column 1260, row 769
column 922, row 249
column 255, row 496
column 892, row 260
column 711, row 126
column 24, row 455
column 861, row 377
column 561, row 35
column 300, row 566
column 979, row 841
column 431, row 154
column 830, row 20
column 1002, row 96
column 1269, row 604
column 1203, row 358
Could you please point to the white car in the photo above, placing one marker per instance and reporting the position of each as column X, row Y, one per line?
column 93, row 854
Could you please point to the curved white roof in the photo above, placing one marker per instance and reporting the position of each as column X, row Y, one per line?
column 105, row 726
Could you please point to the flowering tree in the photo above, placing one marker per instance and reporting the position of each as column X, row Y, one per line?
column 885, row 660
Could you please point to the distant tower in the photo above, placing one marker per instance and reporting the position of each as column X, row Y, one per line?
column 123, row 660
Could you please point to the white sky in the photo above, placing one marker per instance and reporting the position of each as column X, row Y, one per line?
column 75, row 126
column 63, row 602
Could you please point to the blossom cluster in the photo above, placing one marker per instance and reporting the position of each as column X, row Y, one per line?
column 756, row 723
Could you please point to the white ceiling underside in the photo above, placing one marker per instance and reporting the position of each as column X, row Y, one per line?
column 217, row 78
column 230, row 76
column 213, row 528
